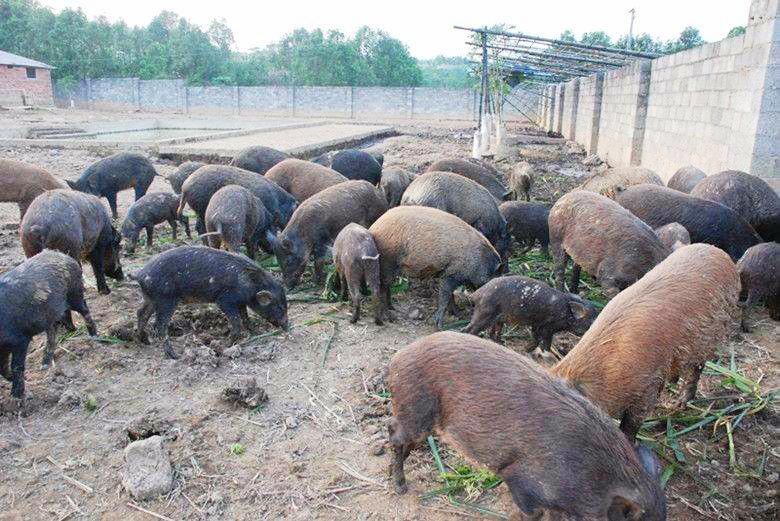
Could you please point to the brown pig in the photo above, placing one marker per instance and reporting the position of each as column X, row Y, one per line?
column 759, row 271
column 613, row 245
column 673, row 235
column 611, row 181
column 473, row 171
column 393, row 184
column 556, row 452
column 357, row 261
column 20, row 183
column 663, row 327
column 685, row 179
column 521, row 180
column 426, row 243
column 302, row 179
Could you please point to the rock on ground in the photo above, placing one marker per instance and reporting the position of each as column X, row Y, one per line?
column 148, row 472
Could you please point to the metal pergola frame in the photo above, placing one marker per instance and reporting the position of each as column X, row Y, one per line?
column 541, row 61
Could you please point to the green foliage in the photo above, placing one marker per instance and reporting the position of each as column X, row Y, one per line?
column 736, row 31
column 237, row 449
column 90, row 402
column 446, row 71
column 689, row 38
column 172, row 47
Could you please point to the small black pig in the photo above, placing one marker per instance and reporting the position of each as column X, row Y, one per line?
column 357, row 261
column 527, row 223
column 197, row 274
column 78, row 225
column 235, row 216
column 151, row 209
column 528, row 302
column 357, row 164
column 35, row 297
column 115, row 173
column 554, row 449
column 258, row 159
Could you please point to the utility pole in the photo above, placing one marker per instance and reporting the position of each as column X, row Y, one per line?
column 630, row 42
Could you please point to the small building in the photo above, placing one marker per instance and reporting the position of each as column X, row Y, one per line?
column 24, row 81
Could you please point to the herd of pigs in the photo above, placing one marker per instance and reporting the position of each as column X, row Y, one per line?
column 679, row 262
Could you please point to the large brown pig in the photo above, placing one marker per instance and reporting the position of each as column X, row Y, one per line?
column 473, row 171
column 20, row 183
column 302, row 179
column 750, row 196
column 759, row 271
column 610, row 181
column 664, row 327
column 556, row 452
column 685, row 179
column 426, row 243
column 613, row 246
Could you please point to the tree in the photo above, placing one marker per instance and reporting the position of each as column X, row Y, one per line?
column 736, row 31
column 597, row 38
column 689, row 38
column 568, row 36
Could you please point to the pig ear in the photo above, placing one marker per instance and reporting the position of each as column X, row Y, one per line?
column 264, row 297
column 70, row 184
column 623, row 509
column 578, row 309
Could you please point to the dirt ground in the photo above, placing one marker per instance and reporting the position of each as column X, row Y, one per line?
column 316, row 449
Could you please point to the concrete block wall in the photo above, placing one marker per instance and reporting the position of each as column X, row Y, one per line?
column 715, row 106
column 342, row 102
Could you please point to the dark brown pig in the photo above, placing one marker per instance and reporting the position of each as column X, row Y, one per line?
column 151, row 209
column 426, row 243
column 473, row 171
column 196, row 274
column 234, row 216
column 316, row 223
column 663, row 327
column 555, row 451
column 524, row 301
column 258, row 159
column 527, row 223
column 759, row 271
column 204, row 183
column 673, row 235
column 112, row 174
column 393, row 184
column 20, row 183
column 706, row 221
column 302, row 179
column 750, row 196
column 76, row 224
column 182, row 173
column 460, row 196
column 685, row 179
column 35, row 297
column 357, row 262
column 521, row 180
column 610, row 243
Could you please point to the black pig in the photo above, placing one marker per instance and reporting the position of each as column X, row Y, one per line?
column 151, row 209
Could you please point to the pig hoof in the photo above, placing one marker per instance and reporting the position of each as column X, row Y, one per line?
column 170, row 353
column 400, row 488
column 104, row 291
column 354, row 319
column 379, row 322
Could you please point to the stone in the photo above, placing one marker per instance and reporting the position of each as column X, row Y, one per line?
column 147, row 472
column 377, row 449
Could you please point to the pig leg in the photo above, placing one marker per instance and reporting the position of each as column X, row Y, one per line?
column 244, row 318
column 79, row 305
column 690, row 382
column 525, row 493
column 230, row 309
column 495, row 331
column 371, row 274
column 18, row 356
column 354, row 295
column 51, row 345
column 575, row 278
column 163, row 313
column 402, row 446
column 185, row 222
column 561, row 259
column 545, row 337
column 5, row 366
column 482, row 319
column 745, row 307
column 112, row 204
column 200, row 227
column 319, row 267
column 96, row 260
column 174, row 228
column 149, row 237
column 448, row 285
column 144, row 314
column 343, row 289
column 251, row 250
column 67, row 321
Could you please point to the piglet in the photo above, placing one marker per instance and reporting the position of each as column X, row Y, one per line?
column 151, row 209
column 357, row 261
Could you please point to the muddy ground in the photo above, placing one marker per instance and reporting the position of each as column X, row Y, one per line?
column 316, row 448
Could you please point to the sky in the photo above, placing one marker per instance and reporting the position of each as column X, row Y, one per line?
column 426, row 27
